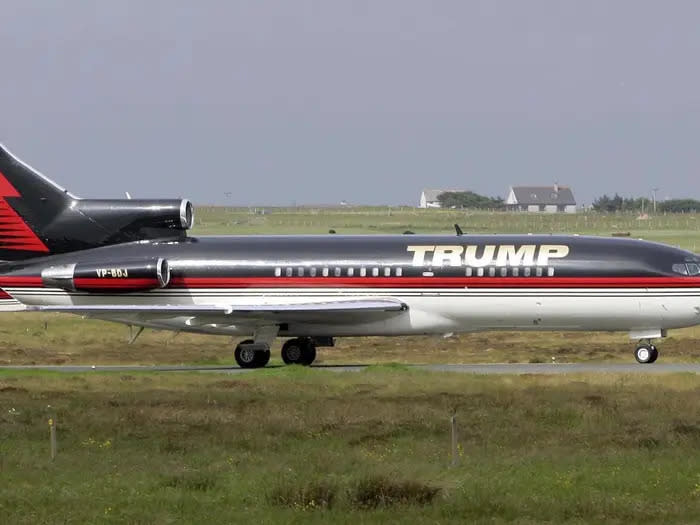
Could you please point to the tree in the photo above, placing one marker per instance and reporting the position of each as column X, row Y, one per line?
column 469, row 199
column 608, row 204
column 679, row 206
column 616, row 203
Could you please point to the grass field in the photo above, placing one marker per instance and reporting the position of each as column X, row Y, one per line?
column 62, row 339
column 296, row 445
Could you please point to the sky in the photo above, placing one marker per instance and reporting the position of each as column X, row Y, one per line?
column 315, row 102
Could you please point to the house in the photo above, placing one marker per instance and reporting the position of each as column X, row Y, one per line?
column 429, row 198
column 550, row 199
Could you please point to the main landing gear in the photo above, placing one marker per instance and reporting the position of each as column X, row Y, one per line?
column 646, row 353
column 298, row 351
column 250, row 354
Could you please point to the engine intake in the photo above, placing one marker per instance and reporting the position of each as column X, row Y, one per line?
column 119, row 276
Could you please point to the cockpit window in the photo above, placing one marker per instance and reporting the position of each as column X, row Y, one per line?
column 680, row 268
column 687, row 268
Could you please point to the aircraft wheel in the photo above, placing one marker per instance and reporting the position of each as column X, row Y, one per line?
column 298, row 351
column 247, row 356
column 309, row 353
column 293, row 351
column 655, row 354
column 646, row 354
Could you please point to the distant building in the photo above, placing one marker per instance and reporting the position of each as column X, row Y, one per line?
column 429, row 198
column 550, row 199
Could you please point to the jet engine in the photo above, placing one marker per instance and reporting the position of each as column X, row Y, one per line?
column 116, row 277
column 127, row 215
column 88, row 223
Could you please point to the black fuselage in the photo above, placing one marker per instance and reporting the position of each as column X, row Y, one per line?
column 355, row 258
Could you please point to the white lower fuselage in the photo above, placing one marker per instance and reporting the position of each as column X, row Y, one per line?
column 430, row 310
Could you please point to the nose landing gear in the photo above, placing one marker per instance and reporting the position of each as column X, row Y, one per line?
column 646, row 353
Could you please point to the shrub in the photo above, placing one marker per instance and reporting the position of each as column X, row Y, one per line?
column 305, row 496
column 380, row 491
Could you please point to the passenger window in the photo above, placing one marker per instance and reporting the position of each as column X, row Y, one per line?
column 278, row 272
column 312, row 272
column 504, row 271
column 468, row 271
column 351, row 272
column 538, row 271
column 526, row 271
column 492, row 272
column 515, row 272
column 337, row 272
column 325, row 272
column 550, row 271
column 363, row 271
column 289, row 272
column 399, row 272
column 375, row 272
column 300, row 271
column 387, row 272
column 480, row 272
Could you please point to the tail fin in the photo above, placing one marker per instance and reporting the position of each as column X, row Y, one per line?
column 38, row 217
column 29, row 203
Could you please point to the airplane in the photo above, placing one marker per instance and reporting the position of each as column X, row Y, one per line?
column 131, row 261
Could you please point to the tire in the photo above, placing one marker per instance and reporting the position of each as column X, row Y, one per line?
column 293, row 352
column 654, row 354
column 644, row 354
column 250, row 358
column 309, row 354
column 263, row 357
column 299, row 351
column 245, row 358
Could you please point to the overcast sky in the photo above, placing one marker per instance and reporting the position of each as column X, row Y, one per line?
column 282, row 102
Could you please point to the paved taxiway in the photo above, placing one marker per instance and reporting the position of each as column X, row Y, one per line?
column 505, row 368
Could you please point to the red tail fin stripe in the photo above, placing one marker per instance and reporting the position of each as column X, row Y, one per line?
column 15, row 234
column 11, row 235
column 7, row 189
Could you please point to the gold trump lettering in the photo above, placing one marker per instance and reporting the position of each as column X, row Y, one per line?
column 488, row 254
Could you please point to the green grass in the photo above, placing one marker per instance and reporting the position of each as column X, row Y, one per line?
column 294, row 446
column 31, row 338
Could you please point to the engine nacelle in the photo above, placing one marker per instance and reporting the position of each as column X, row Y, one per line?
column 135, row 214
column 89, row 223
column 119, row 276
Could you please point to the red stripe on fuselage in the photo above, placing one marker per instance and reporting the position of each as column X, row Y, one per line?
column 21, row 281
column 381, row 282
column 138, row 283
column 435, row 282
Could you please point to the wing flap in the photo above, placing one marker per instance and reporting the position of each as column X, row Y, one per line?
column 329, row 311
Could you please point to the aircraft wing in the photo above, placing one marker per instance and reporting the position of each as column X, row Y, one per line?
column 319, row 312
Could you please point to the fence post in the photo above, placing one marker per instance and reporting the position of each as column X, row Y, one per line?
column 52, row 436
column 453, row 427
